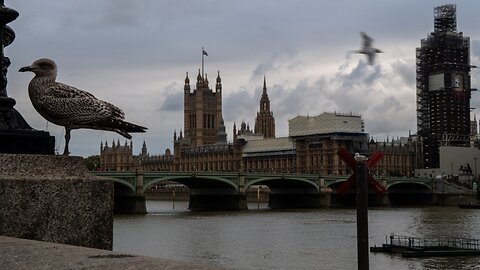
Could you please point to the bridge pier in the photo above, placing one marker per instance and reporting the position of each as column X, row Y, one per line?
column 349, row 199
column 129, row 204
column 286, row 201
column 215, row 200
column 294, row 198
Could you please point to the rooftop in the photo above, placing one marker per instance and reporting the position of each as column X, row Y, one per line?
column 325, row 123
column 268, row 145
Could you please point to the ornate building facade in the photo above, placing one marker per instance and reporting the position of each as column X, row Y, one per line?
column 398, row 159
column 155, row 162
column 117, row 157
column 203, row 146
column 319, row 138
column 203, row 121
column 311, row 146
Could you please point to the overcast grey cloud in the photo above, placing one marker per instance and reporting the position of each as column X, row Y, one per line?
column 135, row 54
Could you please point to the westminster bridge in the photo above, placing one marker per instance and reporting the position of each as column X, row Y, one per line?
column 227, row 190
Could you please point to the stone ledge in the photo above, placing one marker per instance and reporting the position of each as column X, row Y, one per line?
column 15, row 166
column 21, row 254
column 55, row 199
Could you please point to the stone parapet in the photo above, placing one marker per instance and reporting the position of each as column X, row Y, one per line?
column 23, row 254
column 55, row 199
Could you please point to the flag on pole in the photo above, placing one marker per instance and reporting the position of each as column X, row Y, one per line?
column 204, row 52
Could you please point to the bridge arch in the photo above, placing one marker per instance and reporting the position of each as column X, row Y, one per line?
column 409, row 193
column 335, row 183
column 408, row 187
column 131, row 186
column 282, row 182
column 289, row 191
column 194, row 181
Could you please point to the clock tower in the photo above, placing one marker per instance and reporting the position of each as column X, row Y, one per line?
column 443, row 88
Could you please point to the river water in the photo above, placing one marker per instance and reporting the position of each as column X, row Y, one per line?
column 288, row 239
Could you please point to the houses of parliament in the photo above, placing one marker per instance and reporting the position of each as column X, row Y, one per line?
column 443, row 75
column 311, row 146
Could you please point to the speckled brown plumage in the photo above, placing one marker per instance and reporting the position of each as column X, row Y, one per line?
column 68, row 106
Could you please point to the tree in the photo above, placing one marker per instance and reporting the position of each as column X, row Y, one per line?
column 92, row 162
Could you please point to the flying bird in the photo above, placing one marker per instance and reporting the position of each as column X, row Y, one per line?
column 368, row 49
column 70, row 107
column 360, row 158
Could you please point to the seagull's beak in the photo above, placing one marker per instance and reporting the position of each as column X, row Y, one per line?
column 25, row 69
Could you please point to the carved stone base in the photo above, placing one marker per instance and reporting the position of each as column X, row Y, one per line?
column 17, row 141
column 17, row 136
column 9, row 117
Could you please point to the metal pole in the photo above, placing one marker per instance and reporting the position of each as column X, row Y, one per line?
column 476, row 180
column 202, row 61
column 258, row 197
column 362, row 216
column 476, row 177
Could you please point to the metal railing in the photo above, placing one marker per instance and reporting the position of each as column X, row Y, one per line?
column 450, row 242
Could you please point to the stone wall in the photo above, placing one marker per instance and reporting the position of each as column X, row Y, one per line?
column 55, row 199
column 22, row 254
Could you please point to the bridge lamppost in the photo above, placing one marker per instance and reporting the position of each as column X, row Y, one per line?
column 475, row 179
column 16, row 135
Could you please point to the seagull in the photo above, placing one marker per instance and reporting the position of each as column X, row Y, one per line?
column 70, row 107
column 360, row 158
column 368, row 49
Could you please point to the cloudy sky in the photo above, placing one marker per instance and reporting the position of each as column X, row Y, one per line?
column 135, row 54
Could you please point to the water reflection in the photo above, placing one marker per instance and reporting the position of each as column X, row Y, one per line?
column 293, row 239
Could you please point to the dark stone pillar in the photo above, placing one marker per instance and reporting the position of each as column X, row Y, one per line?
column 16, row 135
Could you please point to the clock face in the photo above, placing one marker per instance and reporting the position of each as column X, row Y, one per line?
column 457, row 82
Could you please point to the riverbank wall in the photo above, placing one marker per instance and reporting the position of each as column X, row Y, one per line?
column 55, row 199
column 21, row 254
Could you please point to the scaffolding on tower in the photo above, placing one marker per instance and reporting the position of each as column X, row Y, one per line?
column 443, row 88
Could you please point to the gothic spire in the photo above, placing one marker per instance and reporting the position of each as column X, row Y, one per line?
column 186, row 87
column 264, row 122
column 199, row 76
column 144, row 149
column 264, row 85
column 218, row 86
column 264, row 100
